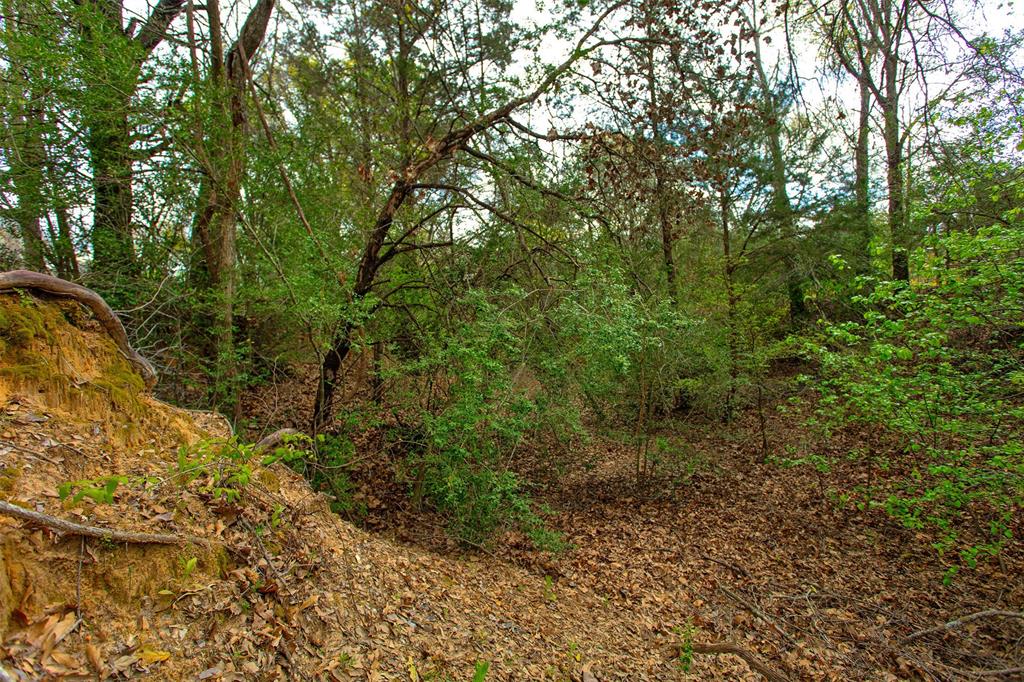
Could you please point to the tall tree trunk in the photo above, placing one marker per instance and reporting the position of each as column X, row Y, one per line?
column 731, row 302
column 369, row 264
column 782, row 208
column 24, row 148
column 861, row 183
column 64, row 258
column 894, row 171
column 782, row 211
column 215, row 226
column 113, row 82
column 660, row 181
column 28, row 157
column 110, row 154
column 114, row 79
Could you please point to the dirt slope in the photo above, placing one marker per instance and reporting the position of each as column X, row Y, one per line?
column 273, row 586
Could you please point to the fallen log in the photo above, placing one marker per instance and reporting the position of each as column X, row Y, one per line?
column 276, row 438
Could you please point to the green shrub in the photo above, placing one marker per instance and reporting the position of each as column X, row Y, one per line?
column 941, row 363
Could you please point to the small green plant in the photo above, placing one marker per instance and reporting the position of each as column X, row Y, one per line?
column 99, row 490
column 549, row 589
column 481, row 670
column 226, row 466
column 275, row 517
column 684, row 660
column 188, row 567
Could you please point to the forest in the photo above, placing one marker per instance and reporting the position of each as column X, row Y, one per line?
column 505, row 340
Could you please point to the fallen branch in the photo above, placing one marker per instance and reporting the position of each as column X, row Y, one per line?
column 751, row 659
column 759, row 613
column 26, row 279
column 110, row 534
column 988, row 613
column 738, row 570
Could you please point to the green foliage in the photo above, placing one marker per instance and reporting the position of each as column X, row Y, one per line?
column 939, row 363
column 684, row 659
column 226, row 466
column 324, row 462
column 99, row 490
column 473, row 419
column 628, row 354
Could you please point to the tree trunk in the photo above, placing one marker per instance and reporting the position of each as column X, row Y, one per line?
column 782, row 208
column 110, row 154
column 27, row 177
column 894, row 171
column 112, row 82
column 215, row 226
column 731, row 302
column 369, row 264
column 861, row 183
column 64, row 258
column 26, row 154
column 660, row 184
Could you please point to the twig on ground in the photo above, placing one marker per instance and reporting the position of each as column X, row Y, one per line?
column 90, row 531
column 751, row 659
column 759, row 613
column 78, row 578
column 738, row 570
column 988, row 613
column 29, row 451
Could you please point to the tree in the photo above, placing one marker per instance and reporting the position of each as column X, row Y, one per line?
column 214, row 229
column 113, row 57
column 421, row 155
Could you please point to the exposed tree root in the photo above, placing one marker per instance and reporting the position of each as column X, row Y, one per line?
column 26, row 279
column 89, row 531
column 276, row 438
column 755, row 663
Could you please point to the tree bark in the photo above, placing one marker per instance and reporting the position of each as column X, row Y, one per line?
column 25, row 151
column 660, row 181
column 109, row 131
column 861, row 183
column 782, row 207
column 215, row 226
column 27, row 176
column 731, row 302
column 894, row 172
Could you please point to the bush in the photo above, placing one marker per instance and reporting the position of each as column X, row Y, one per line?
column 942, row 364
column 467, row 418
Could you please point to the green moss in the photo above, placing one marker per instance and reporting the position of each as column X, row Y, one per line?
column 22, row 321
column 122, row 384
column 8, row 477
column 28, row 371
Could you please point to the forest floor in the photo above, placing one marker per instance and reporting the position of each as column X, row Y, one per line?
column 724, row 568
column 733, row 541
column 730, row 544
